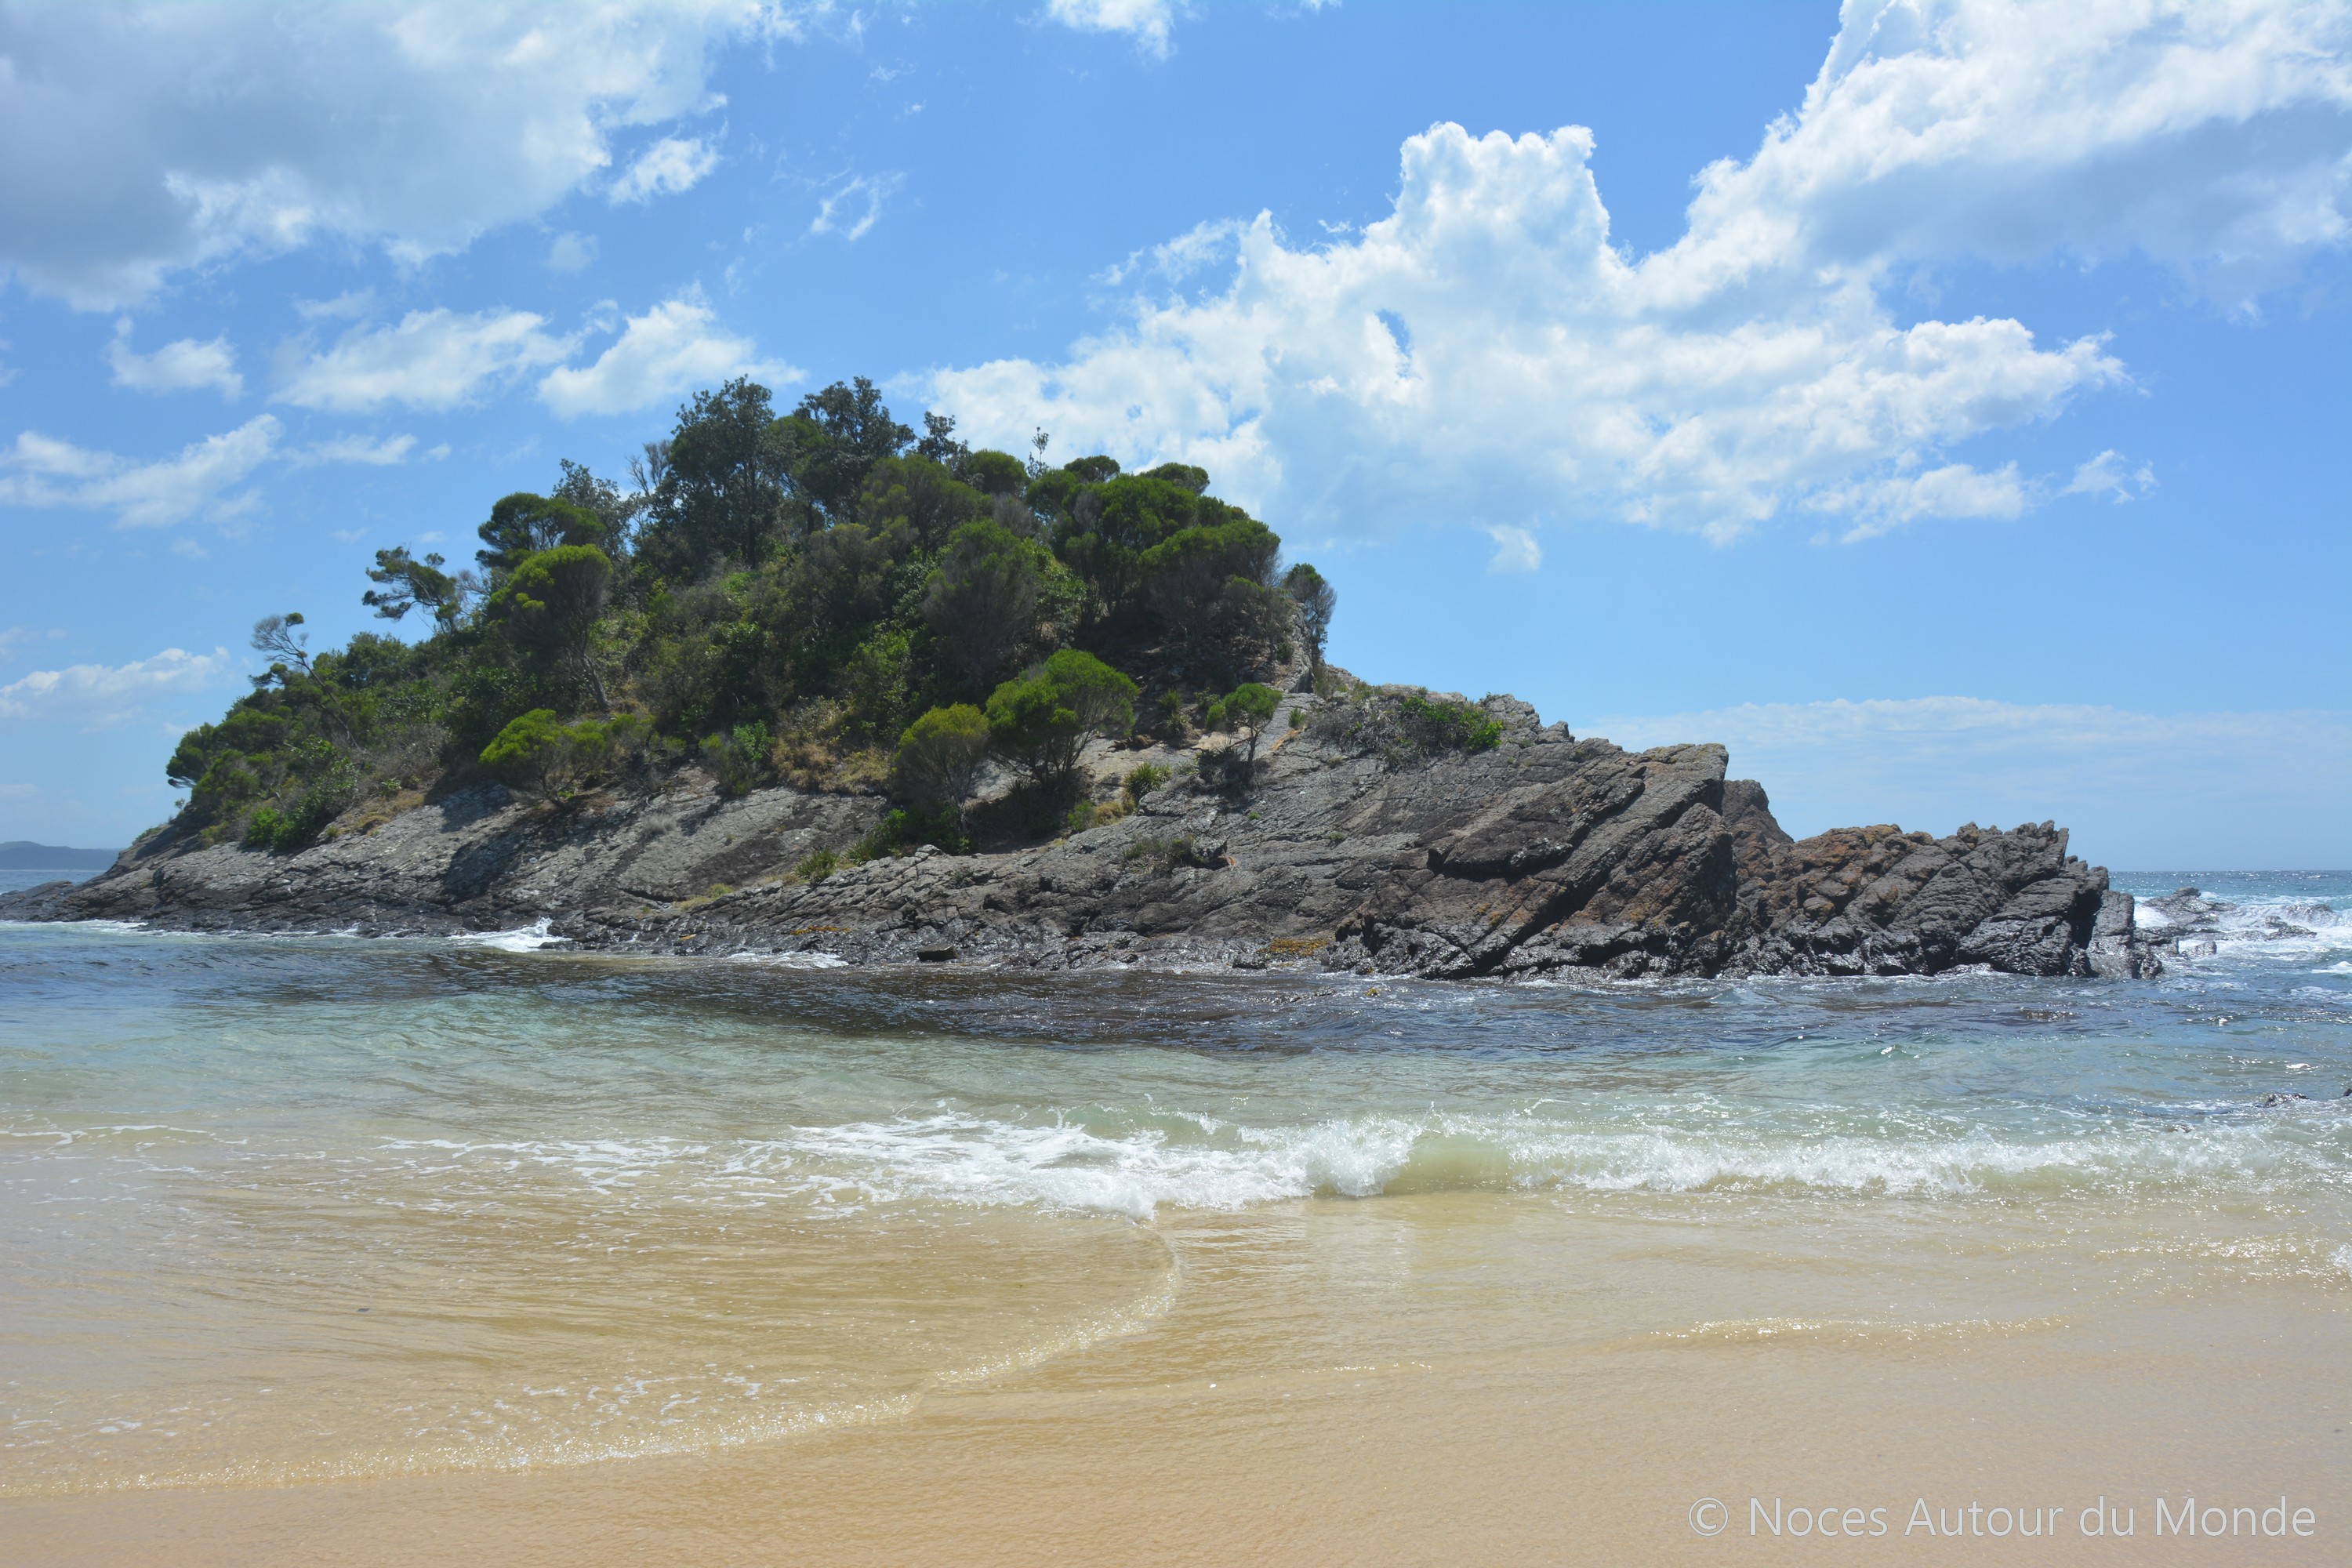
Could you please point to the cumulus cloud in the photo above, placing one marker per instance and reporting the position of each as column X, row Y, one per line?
column 95, row 695
column 1486, row 354
column 42, row 471
column 432, row 359
column 138, row 139
column 1148, row 21
column 2144, row 789
column 2214, row 137
column 671, row 349
column 670, row 166
column 186, row 365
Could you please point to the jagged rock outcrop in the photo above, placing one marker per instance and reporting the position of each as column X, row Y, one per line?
column 2191, row 923
column 1352, row 845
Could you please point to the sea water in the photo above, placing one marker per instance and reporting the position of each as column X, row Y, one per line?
column 280, row 1210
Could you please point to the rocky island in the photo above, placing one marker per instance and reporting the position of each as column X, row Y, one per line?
column 660, row 721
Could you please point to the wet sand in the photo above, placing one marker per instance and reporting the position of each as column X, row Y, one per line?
column 1478, row 1376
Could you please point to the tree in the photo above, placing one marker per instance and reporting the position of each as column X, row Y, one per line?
column 1185, row 475
column 995, row 473
column 939, row 444
column 940, row 756
column 523, row 525
column 1316, row 600
column 550, row 605
column 847, row 578
column 601, row 499
column 720, row 485
column 1250, row 706
column 920, row 492
column 1044, row 719
column 838, row 435
column 277, row 635
column 1208, row 584
column 981, row 602
column 409, row 583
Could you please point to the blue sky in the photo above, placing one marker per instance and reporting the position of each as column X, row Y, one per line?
column 1944, row 403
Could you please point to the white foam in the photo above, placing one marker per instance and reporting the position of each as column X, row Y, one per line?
column 792, row 960
column 522, row 938
column 1205, row 1163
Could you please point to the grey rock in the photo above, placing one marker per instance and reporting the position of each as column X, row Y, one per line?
column 1348, row 848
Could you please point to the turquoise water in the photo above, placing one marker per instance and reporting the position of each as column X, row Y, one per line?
column 488, row 1201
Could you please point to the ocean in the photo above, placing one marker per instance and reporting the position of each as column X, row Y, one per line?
column 876, row 1265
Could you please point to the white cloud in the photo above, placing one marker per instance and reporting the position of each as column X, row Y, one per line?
column 1486, row 354
column 2104, row 476
column 2216, row 137
column 670, row 166
column 433, row 359
column 39, row 471
column 359, row 450
column 136, row 139
column 186, row 365
column 1953, row 490
column 2144, row 789
column 97, row 695
column 668, row 350
column 42, row 471
column 351, row 305
column 1150, row 21
column 572, row 252
column 1515, row 552
column 855, row 208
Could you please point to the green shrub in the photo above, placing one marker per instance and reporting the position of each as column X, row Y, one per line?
column 1249, row 707
column 529, row 753
column 536, row 753
column 904, row 829
column 1044, row 717
column 940, row 756
column 817, row 867
column 1299, row 718
column 299, row 825
column 1449, row 726
column 737, row 758
column 1141, row 781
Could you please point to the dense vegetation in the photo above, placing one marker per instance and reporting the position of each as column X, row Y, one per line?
column 819, row 596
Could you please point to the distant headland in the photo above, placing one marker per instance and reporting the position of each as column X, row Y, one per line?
column 23, row 855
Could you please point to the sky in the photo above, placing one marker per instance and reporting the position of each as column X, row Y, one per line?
column 1945, row 404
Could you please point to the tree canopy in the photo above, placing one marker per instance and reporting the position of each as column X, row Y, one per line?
column 820, row 594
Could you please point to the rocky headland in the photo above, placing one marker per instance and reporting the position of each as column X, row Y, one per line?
column 1346, row 844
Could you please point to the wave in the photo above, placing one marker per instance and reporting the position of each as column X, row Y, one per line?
column 522, row 938
column 1200, row 1162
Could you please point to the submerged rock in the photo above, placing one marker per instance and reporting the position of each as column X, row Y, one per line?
column 1348, row 847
